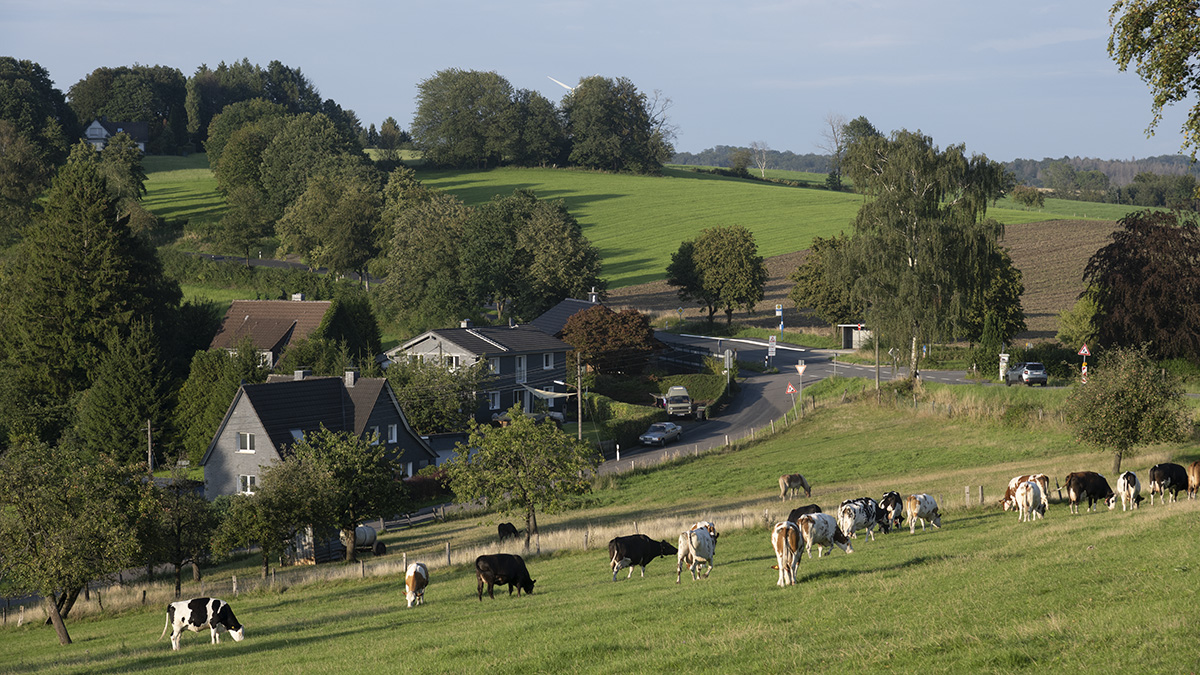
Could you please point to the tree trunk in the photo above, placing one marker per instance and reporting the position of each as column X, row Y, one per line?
column 1117, row 463
column 64, row 638
column 178, row 580
column 530, row 526
column 195, row 571
column 728, row 316
column 64, row 602
column 266, row 563
column 348, row 540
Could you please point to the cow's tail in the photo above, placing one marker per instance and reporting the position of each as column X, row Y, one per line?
column 168, row 625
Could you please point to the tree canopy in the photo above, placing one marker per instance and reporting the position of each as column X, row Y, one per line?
column 611, row 342
column 1147, row 285
column 1127, row 403
column 152, row 94
column 612, row 127
column 1162, row 39
column 464, row 118
column 813, row 289
column 436, row 399
column 521, row 468
column 720, row 269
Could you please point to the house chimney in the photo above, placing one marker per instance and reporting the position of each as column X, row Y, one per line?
column 465, row 323
column 593, row 296
column 298, row 375
column 298, row 297
column 351, row 377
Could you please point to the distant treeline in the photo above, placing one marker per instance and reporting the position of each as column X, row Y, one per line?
column 1120, row 172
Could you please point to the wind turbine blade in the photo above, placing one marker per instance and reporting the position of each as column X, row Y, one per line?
column 568, row 88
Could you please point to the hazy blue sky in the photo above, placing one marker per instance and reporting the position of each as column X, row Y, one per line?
column 1013, row 79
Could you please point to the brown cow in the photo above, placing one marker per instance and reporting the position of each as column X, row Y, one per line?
column 785, row 539
column 1193, row 473
column 793, row 482
column 1009, row 502
column 1088, row 485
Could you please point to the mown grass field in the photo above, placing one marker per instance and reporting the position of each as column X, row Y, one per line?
column 985, row 593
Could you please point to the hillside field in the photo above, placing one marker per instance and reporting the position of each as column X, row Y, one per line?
column 985, row 593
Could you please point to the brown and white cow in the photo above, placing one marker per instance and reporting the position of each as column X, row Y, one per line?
column 1167, row 477
column 695, row 550
column 1087, row 485
column 1193, row 473
column 1129, row 489
column 785, row 539
column 1030, row 504
column 822, row 530
column 198, row 613
column 416, row 578
column 922, row 507
column 793, row 482
column 1009, row 502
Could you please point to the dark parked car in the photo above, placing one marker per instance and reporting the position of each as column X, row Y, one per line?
column 1030, row 373
column 661, row 433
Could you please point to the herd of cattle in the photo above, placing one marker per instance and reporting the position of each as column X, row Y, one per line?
column 805, row 526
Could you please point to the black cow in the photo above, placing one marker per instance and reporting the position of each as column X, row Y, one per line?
column 1167, row 477
column 500, row 569
column 1089, row 485
column 506, row 530
column 636, row 549
column 892, row 511
column 794, row 516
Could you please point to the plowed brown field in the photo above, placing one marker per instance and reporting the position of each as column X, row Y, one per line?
column 1051, row 256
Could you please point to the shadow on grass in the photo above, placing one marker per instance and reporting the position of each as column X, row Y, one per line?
column 845, row 572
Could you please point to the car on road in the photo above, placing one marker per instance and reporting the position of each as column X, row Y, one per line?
column 661, row 433
column 1030, row 373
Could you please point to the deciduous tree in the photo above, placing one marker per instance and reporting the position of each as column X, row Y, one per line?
column 1147, row 284
column 183, row 524
column 333, row 223
column 1127, row 403
column 522, row 468
column 730, row 269
column 611, row 342
column 611, row 127
column 464, row 118
column 436, row 399
column 817, row 288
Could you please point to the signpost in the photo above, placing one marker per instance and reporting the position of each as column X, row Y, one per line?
column 1084, row 353
column 1003, row 367
column 771, row 348
column 792, row 390
column 799, row 369
column 779, row 313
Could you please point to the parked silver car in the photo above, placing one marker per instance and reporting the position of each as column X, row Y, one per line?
column 661, row 433
column 1030, row 373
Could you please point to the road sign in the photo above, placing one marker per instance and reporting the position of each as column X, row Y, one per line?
column 778, row 310
column 1084, row 351
column 1083, row 375
column 791, row 389
column 771, row 346
column 800, row 367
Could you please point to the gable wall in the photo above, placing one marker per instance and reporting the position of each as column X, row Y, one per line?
column 225, row 464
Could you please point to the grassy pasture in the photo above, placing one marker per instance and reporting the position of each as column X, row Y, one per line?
column 182, row 188
column 983, row 593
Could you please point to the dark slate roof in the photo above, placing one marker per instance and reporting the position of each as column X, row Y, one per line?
column 553, row 320
column 269, row 324
column 495, row 340
column 138, row 131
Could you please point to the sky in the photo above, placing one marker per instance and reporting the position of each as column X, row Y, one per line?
column 1017, row 79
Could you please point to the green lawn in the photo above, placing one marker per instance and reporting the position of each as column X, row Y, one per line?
column 182, row 188
column 984, row 593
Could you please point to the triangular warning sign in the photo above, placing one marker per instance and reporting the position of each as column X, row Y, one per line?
column 1084, row 351
column 791, row 389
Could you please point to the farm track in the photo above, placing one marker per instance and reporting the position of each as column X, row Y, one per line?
column 1051, row 256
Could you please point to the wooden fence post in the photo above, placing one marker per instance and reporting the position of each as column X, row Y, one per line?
column 981, row 495
column 447, row 553
column 235, row 592
column 772, row 426
column 404, row 561
column 585, row 535
column 272, row 577
column 362, row 569
column 967, row 498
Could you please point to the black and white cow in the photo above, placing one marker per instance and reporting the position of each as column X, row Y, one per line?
column 198, row 613
column 859, row 513
column 1129, row 489
column 502, row 568
column 506, row 530
column 794, row 516
column 1167, row 477
column 822, row 529
column 892, row 507
column 635, row 550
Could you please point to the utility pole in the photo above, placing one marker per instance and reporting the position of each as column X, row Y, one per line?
column 149, row 449
column 578, row 397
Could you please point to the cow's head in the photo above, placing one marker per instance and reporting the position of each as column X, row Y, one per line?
column 936, row 518
column 665, row 548
column 527, row 586
column 1111, row 500
column 239, row 634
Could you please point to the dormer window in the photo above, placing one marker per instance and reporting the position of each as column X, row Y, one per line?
column 245, row 442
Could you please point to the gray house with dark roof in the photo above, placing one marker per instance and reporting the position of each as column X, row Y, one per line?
column 524, row 363
column 99, row 131
column 264, row 420
column 269, row 325
column 554, row 320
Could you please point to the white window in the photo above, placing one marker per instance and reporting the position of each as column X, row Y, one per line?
column 521, row 369
column 391, row 433
column 450, row 361
column 245, row 442
column 547, row 361
column 494, row 366
column 297, row 434
column 493, row 400
column 247, row 484
column 374, row 435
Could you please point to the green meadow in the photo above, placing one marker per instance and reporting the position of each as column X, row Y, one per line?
column 984, row 593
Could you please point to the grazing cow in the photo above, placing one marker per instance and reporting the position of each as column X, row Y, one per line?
column 822, row 529
column 635, row 550
column 922, row 507
column 1009, row 502
column 1193, row 473
column 863, row 512
column 785, row 539
column 696, row 548
column 1167, row 477
column 892, row 508
column 707, row 525
column 1030, row 505
column 794, row 516
column 1129, row 489
column 1088, row 485
column 506, row 530
column 416, row 578
column 502, row 568
column 198, row 613
column 793, row 482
